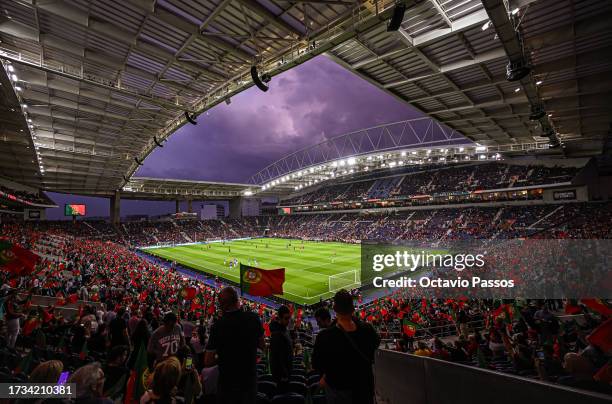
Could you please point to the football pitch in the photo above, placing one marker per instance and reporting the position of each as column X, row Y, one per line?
column 308, row 264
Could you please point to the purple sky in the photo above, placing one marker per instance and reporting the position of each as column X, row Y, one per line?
column 304, row 106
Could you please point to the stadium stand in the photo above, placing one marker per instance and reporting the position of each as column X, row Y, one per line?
column 513, row 144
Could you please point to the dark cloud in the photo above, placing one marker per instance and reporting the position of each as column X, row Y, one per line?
column 304, row 106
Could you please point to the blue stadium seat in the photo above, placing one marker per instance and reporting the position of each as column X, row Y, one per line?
column 289, row 398
column 265, row 378
column 297, row 378
column 262, row 398
column 267, row 387
column 298, row 387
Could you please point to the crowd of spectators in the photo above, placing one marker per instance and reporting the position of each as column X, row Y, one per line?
column 435, row 180
column 36, row 198
column 109, row 304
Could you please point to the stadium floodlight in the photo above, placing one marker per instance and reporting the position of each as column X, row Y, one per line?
column 482, row 156
column 515, row 71
column 190, row 119
column 248, row 193
column 481, row 148
column 515, row 11
column 14, row 78
column 17, row 88
column 486, row 25
column 369, row 158
column 403, row 154
column 539, row 82
column 351, row 161
column 461, row 149
column 413, row 153
column 11, row 69
column 428, row 151
column 397, row 17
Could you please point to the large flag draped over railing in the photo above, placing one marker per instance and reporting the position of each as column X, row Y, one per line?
column 261, row 282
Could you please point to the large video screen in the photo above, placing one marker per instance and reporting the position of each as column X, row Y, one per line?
column 74, row 210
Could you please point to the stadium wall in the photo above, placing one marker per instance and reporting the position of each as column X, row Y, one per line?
column 402, row 378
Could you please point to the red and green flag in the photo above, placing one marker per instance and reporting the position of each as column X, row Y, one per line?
column 261, row 282
column 135, row 386
column 409, row 328
column 17, row 260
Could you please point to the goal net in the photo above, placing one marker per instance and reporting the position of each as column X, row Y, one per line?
column 344, row 280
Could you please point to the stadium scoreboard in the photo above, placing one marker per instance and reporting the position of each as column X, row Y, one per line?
column 74, row 210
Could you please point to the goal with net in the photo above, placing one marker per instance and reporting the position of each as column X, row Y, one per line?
column 344, row 280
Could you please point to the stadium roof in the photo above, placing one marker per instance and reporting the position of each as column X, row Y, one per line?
column 106, row 82
column 154, row 188
column 449, row 60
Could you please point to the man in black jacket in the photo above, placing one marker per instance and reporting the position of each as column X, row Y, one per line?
column 281, row 346
column 344, row 354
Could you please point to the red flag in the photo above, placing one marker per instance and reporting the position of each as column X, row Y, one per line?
column 598, row 306
column 604, row 374
column 261, row 282
column 572, row 309
column 72, row 298
column 267, row 331
column 17, row 260
column 143, row 295
column 30, row 325
column 601, row 337
column 409, row 328
column 189, row 293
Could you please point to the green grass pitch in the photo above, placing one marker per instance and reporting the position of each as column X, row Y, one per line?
column 307, row 270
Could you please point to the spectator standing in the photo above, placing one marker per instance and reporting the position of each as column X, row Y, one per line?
column 344, row 354
column 234, row 339
column 167, row 339
column 323, row 318
column 281, row 346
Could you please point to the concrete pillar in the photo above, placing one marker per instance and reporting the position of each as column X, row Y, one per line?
column 235, row 208
column 177, row 208
column 189, row 206
column 115, row 208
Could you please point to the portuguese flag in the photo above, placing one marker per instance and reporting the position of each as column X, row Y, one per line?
column 409, row 328
column 15, row 259
column 261, row 282
column 135, row 387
